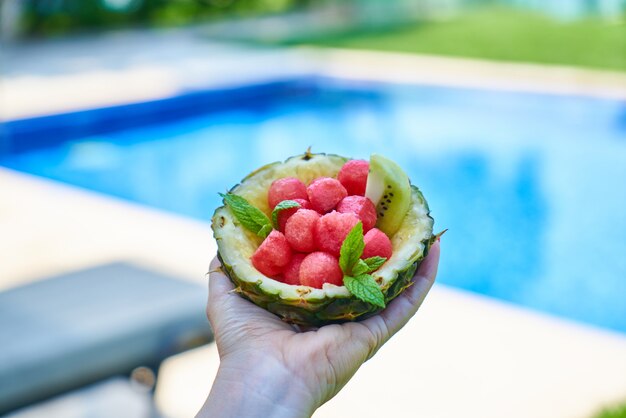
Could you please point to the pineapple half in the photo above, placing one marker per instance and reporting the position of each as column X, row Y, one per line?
column 304, row 305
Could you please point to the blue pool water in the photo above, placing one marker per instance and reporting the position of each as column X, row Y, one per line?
column 532, row 187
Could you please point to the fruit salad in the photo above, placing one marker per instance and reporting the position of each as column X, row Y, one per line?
column 321, row 238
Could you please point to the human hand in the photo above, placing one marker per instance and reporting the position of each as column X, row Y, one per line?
column 270, row 369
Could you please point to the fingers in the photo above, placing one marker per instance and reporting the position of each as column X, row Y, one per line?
column 401, row 309
column 227, row 309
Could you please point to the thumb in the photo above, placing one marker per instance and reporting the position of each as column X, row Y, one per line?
column 220, row 289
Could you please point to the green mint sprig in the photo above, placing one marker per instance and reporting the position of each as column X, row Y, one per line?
column 285, row 204
column 374, row 263
column 356, row 275
column 368, row 265
column 365, row 288
column 249, row 216
column 351, row 249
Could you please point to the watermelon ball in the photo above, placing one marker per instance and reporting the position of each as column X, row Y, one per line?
column 288, row 188
column 300, row 230
column 332, row 229
column 324, row 194
column 377, row 243
column 285, row 214
column 318, row 268
column 273, row 254
column 362, row 207
column 353, row 176
column 291, row 272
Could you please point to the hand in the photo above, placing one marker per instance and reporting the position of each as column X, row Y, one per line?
column 269, row 369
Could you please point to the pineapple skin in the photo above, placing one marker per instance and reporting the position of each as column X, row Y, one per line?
column 311, row 309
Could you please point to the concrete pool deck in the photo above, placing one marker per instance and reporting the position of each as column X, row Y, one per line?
column 463, row 354
column 63, row 75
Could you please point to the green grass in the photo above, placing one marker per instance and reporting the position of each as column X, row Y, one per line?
column 617, row 411
column 502, row 35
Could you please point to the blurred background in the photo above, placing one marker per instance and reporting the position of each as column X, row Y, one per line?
column 121, row 120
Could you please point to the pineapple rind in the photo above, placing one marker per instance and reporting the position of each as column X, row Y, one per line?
column 301, row 304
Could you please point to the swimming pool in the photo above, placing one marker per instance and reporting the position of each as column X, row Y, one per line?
column 531, row 187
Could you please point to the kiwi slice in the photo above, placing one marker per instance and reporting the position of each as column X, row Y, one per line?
column 389, row 188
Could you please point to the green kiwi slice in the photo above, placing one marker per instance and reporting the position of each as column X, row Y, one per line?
column 388, row 187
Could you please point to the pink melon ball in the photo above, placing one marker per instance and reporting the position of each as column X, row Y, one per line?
column 284, row 215
column 353, row 176
column 288, row 188
column 300, row 230
column 291, row 272
column 324, row 194
column 273, row 254
column 362, row 207
column 332, row 229
column 377, row 243
column 318, row 268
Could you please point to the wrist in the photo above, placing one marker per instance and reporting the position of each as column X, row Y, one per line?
column 258, row 387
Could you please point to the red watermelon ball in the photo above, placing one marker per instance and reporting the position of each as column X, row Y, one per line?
column 273, row 254
column 318, row 268
column 332, row 229
column 324, row 193
column 362, row 207
column 300, row 230
column 291, row 272
column 285, row 214
column 377, row 243
column 353, row 176
column 288, row 188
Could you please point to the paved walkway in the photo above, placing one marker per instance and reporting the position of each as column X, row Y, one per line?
column 64, row 75
column 447, row 71
column 463, row 355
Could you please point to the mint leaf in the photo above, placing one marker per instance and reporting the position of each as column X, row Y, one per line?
column 360, row 284
column 285, row 204
column 249, row 216
column 360, row 268
column 351, row 249
column 365, row 288
column 265, row 231
column 374, row 263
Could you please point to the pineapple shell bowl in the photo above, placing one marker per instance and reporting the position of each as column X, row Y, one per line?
column 304, row 305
